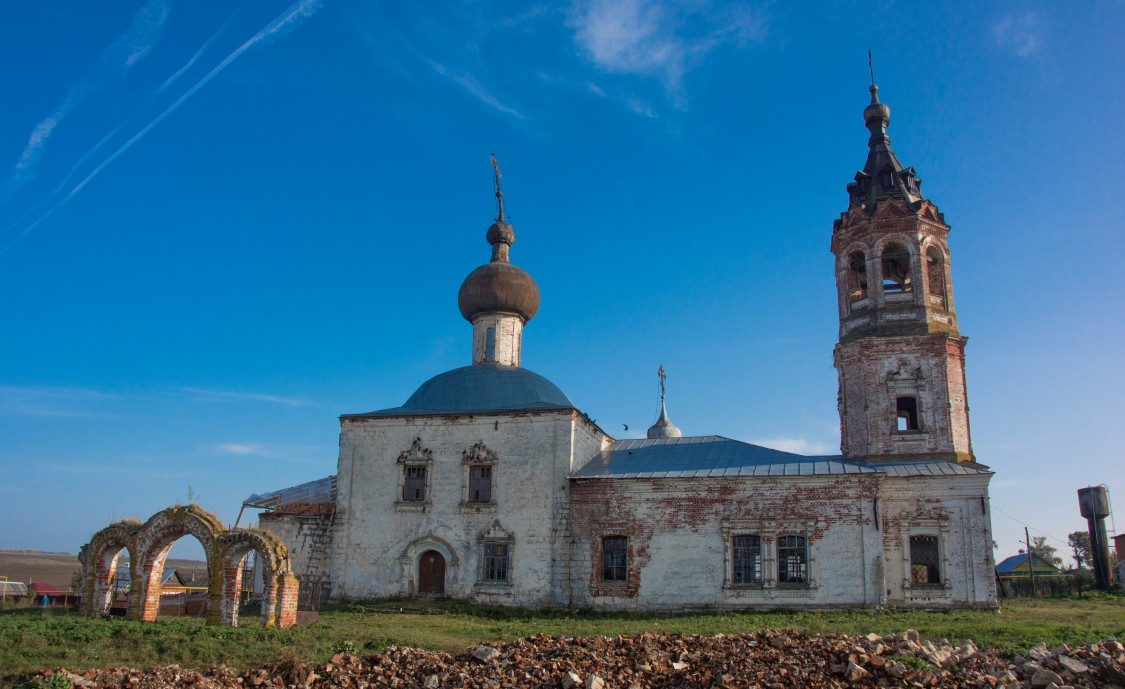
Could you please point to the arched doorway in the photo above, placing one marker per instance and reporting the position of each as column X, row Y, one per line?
column 431, row 574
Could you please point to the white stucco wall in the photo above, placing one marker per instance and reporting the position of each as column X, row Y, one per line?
column 378, row 537
column 680, row 533
column 956, row 510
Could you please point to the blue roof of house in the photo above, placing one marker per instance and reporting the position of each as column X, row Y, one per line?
column 1011, row 565
column 481, row 388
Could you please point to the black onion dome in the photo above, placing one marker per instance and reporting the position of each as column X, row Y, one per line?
column 498, row 287
column 879, row 112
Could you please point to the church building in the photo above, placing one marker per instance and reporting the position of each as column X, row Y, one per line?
column 489, row 484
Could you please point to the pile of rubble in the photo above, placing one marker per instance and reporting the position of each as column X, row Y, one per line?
column 765, row 659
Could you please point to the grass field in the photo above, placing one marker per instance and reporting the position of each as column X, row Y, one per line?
column 31, row 639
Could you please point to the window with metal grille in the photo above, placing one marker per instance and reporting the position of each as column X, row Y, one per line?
column 747, row 560
column 414, row 483
column 792, row 561
column 480, row 484
column 495, row 562
column 615, row 558
column 924, row 560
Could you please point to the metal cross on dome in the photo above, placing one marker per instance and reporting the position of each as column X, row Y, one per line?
column 499, row 194
column 662, row 376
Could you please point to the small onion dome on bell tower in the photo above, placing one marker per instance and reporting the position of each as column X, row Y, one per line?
column 882, row 176
column 663, row 428
column 498, row 298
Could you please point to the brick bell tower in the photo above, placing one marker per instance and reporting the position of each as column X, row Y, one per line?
column 900, row 358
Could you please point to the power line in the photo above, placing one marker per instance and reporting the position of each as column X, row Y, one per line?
column 1028, row 526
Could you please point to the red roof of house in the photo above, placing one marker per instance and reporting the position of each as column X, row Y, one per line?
column 42, row 589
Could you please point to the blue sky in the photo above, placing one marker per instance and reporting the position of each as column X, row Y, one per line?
column 224, row 224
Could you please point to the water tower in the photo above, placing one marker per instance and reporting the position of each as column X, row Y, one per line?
column 1093, row 502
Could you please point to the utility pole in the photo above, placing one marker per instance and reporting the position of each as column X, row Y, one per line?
column 1030, row 571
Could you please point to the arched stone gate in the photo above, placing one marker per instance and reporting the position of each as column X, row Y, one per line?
column 148, row 545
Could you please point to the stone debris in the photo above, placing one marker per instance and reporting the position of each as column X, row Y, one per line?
column 764, row 660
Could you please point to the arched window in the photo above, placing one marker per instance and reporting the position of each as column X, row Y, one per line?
column 896, row 270
column 935, row 273
column 857, row 277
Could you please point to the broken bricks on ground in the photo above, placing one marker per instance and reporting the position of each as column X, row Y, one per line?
column 765, row 659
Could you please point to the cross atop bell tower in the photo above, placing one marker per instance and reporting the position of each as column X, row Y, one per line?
column 900, row 356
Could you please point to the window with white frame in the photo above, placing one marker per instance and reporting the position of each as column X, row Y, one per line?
column 495, row 562
column 415, row 470
column 746, row 560
column 414, row 483
column 480, row 483
column 479, row 463
column 792, row 562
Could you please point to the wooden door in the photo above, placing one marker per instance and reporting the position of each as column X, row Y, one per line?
column 431, row 574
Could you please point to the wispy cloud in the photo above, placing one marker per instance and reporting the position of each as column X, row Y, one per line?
column 129, row 49
column 1020, row 33
column 282, row 24
column 659, row 38
column 251, row 449
column 309, row 455
column 205, row 395
column 48, row 402
column 470, row 84
column 801, row 446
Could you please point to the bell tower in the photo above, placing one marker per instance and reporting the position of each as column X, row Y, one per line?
column 900, row 357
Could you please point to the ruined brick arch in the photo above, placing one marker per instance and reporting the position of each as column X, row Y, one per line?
column 153, row 541
column 148, row 545
column 99, row 560
column 279, row 586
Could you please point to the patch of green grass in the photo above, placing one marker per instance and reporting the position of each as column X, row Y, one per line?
column 31, row 639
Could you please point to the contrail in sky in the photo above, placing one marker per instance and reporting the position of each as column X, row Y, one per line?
column 282, row 24
column 130, row 48
column 148, row 101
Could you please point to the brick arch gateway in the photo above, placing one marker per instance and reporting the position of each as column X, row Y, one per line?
column 148, row 545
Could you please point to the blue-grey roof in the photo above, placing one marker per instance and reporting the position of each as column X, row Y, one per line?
column 707, row 455
column 481, row 388
column 927, row 468
column 713, row 455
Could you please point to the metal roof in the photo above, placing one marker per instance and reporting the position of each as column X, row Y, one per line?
column 13, row 588
column 714, row 455
column 319, row 491
column 708, row 455
column 927, row 468
column 481, row 388
column 1013, row 564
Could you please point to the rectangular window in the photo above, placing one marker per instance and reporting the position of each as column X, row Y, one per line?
column 480, row 484
column 924, row 560
column 615, row 558
column 906, row 414
column 414, row 485
column 792, row 561
column 495, row 562
column 747, row 560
